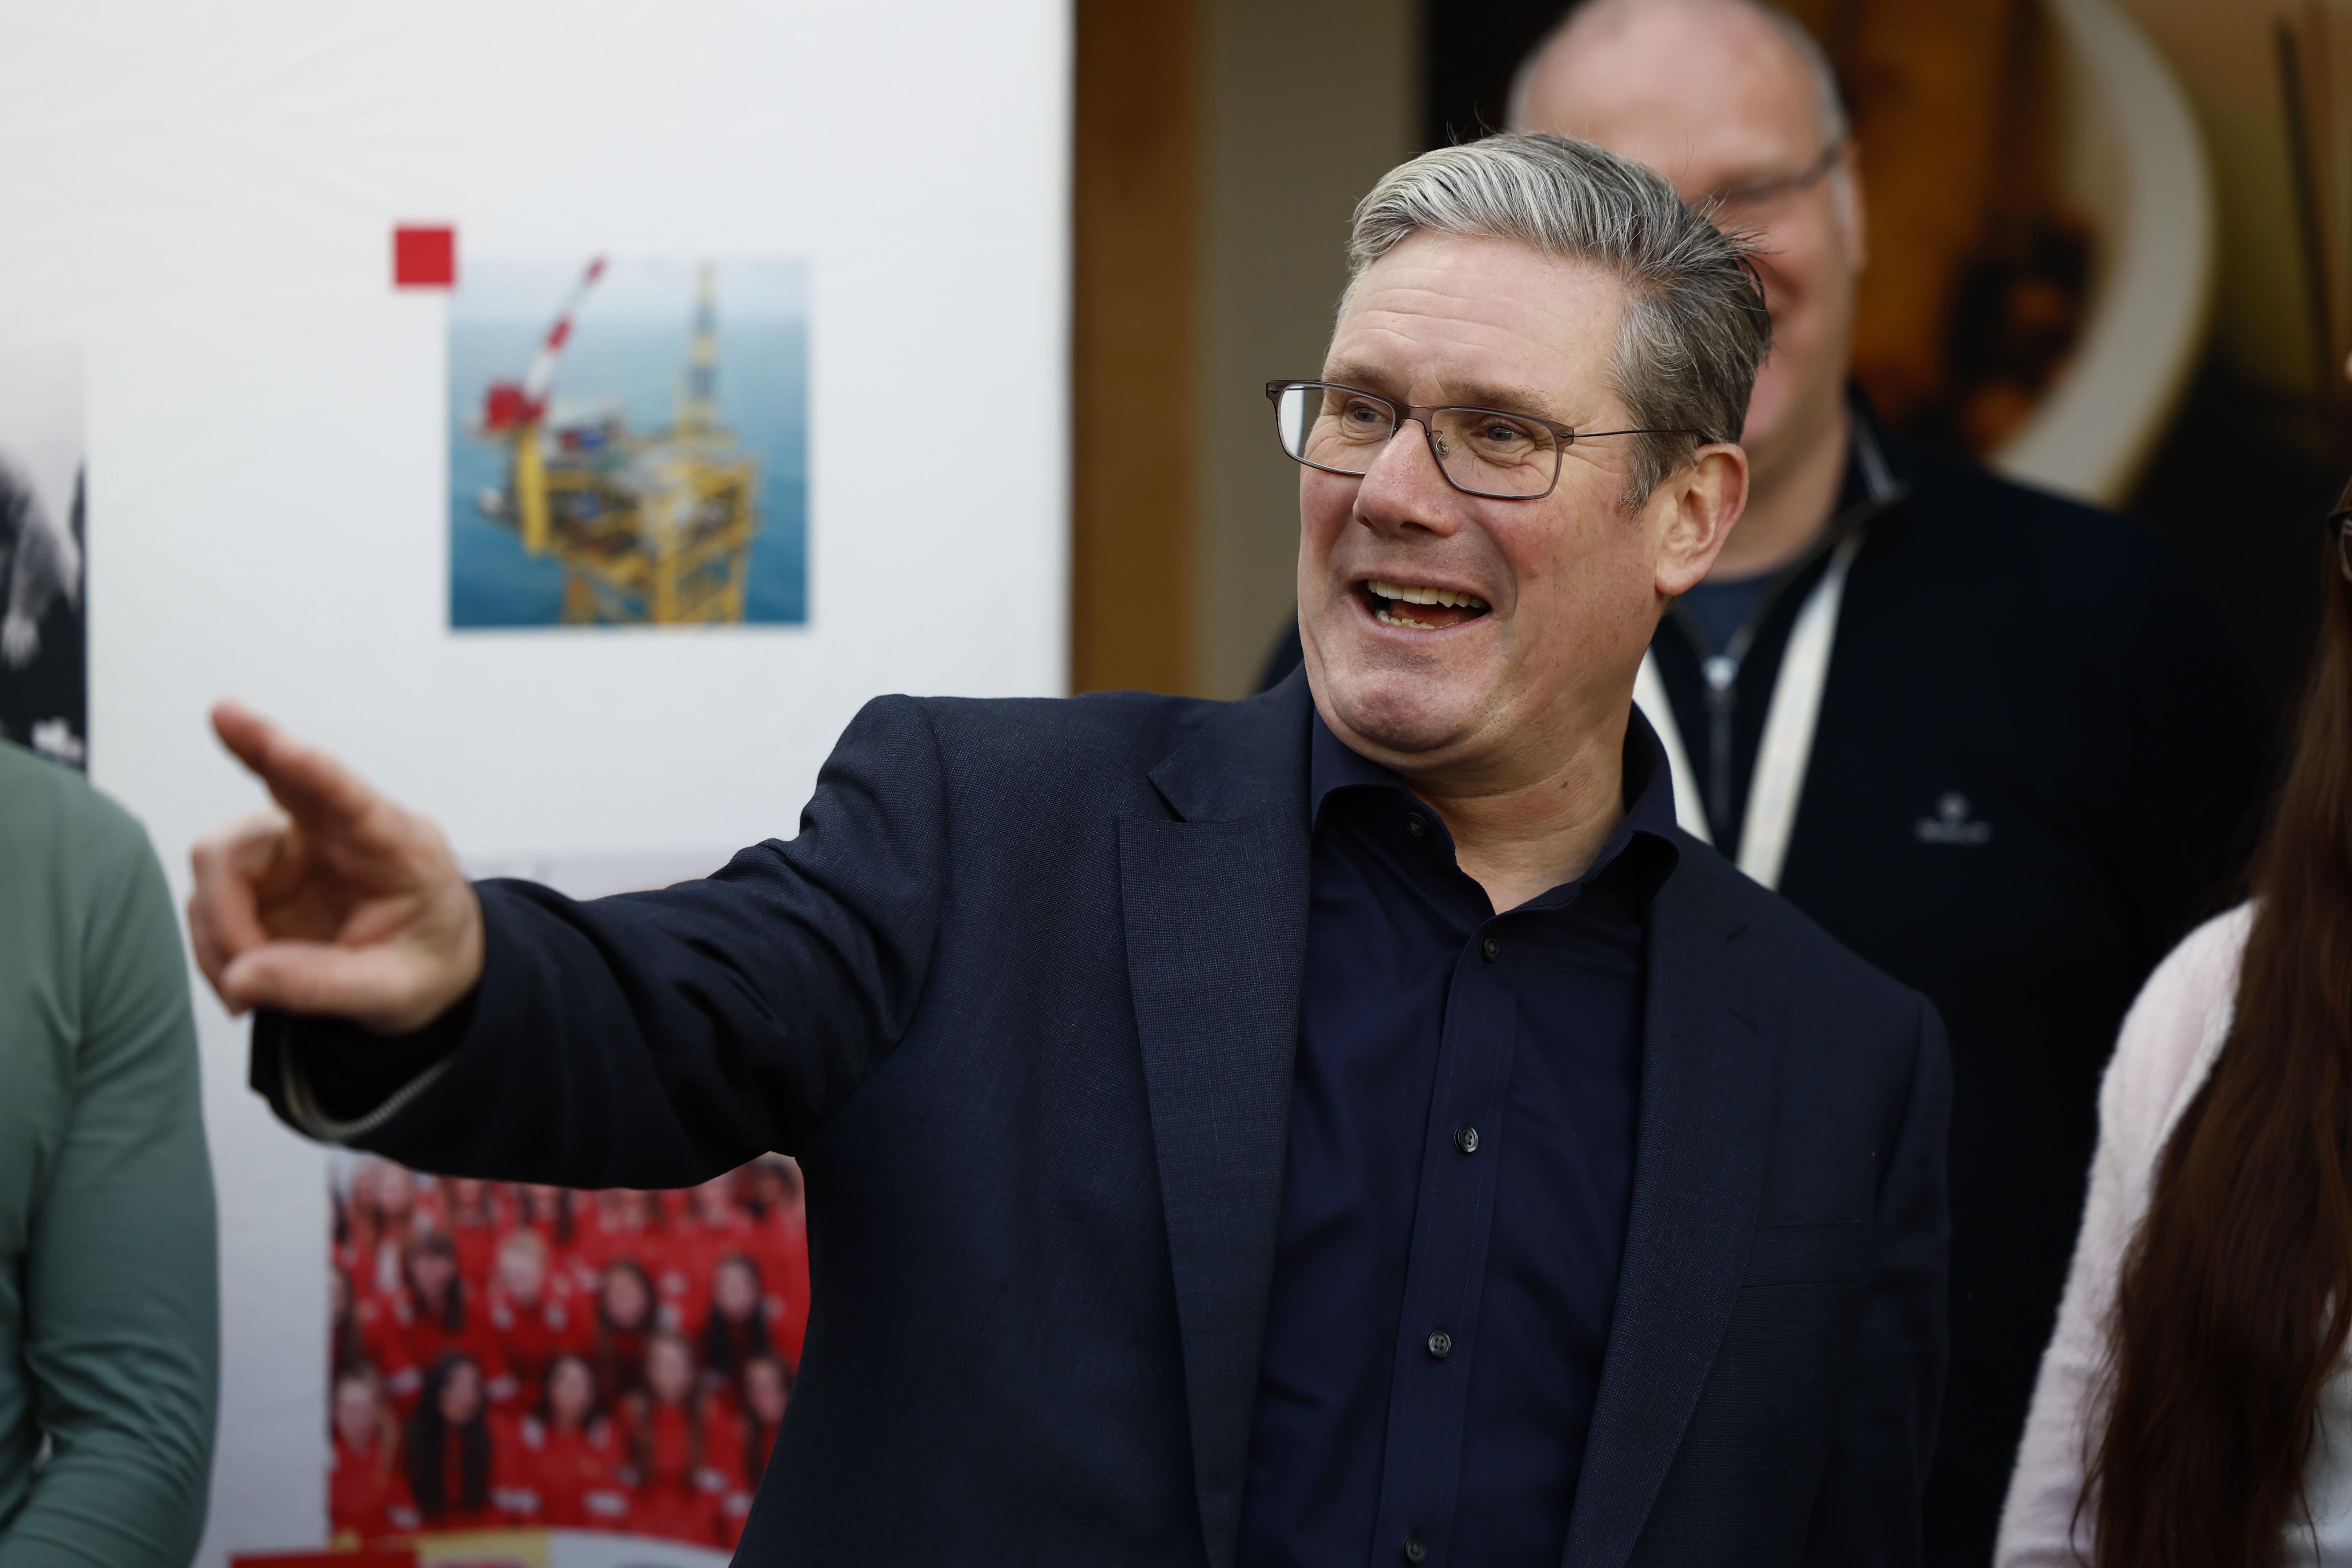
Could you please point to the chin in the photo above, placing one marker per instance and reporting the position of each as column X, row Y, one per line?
column 1408, row 713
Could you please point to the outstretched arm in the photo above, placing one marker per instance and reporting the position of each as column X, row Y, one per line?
column 646, row 1040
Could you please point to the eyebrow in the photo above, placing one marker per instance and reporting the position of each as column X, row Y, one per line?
column 1500, row 397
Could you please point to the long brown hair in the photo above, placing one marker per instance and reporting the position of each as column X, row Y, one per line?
column 2235, row 1298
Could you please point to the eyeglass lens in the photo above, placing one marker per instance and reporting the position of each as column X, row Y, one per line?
column 1480, row 450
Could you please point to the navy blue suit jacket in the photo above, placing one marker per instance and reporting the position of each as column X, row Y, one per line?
column 1022, row 997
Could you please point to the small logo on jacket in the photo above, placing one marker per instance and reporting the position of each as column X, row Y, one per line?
column 1950, row 825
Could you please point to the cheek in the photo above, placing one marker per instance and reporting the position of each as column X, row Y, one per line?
column 1805, row 270
column 1580, row 585
column 1325, row 501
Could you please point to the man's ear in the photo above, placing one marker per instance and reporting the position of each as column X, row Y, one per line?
column 1695, row 509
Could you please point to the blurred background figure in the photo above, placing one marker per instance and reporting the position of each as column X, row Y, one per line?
column 766, row 1390
column 1996, row 742
column 470, row 1211
column 366, row 1446
column 565, row 1453
column 742, row 1324
column 779, row 1243
column 109, row 1307
column 447, row 1476
column 2195, row 1404
column 493, row 1284
column 683, row 1449
column 627, row 1317
column 533, row 1316
column 42, row 652
column 433, row 1314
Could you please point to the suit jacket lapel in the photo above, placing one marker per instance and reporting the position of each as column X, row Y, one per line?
column 1699, row 1161
column 1215, row 903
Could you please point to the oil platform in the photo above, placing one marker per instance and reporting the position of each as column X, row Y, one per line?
column 650, row 528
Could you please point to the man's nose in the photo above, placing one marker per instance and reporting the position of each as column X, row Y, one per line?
column 1404, row 490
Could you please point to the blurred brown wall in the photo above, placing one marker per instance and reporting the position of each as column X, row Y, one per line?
column 1219, row 147
column 1134, row 195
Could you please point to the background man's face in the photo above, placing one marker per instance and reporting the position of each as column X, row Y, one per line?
column 1713, row 97
column 1568, row 583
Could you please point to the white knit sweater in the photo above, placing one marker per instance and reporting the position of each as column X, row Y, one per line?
column 2167, row 1047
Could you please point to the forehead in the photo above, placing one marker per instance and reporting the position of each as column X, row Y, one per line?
column 1491, row 321
column 1702, row 90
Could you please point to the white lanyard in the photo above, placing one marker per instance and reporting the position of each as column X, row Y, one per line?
column 1787, row 748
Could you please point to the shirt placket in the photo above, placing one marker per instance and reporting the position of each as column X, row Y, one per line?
column 1445, row 1273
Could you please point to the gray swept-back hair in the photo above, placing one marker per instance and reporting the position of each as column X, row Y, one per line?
column 1694, row 330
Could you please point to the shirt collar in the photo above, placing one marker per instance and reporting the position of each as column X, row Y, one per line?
column 1647, row 830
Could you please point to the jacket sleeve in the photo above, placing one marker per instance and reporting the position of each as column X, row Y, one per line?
column 121, row 1314
column 1867, row 1512
column 656, row 1040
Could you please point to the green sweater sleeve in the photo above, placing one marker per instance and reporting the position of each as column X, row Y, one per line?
column 122, row 1316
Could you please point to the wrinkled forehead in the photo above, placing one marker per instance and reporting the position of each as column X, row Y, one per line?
column 1704, row 93
column 1494, row 323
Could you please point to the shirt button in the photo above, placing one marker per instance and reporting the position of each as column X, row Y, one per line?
column 1416, row 1549
column 1467, row 1140
column 1492, row 949
column 1441, row 1344
column 1417, row 826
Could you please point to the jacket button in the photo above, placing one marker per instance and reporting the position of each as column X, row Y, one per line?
column 1415, row 1550
column 1416, row 827
column 1441, row 1344
column 1492, row 949
column 1467, row 1140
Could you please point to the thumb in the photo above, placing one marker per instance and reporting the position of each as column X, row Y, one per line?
column 383, row 987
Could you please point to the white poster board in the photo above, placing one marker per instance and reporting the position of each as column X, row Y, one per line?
column 201, row 199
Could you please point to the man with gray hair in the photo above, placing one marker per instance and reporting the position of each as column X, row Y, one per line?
column 1353, row 1124
column 1996, row 742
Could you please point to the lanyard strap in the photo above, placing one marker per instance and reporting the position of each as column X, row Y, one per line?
column 1778, row 781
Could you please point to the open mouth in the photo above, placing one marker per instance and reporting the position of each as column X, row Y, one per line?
column 1418, row 609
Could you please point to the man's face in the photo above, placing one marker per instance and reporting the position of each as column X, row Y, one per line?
column 1713, row 97
column 1564, row 589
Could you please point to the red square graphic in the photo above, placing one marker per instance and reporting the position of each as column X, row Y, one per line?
column 424, row 257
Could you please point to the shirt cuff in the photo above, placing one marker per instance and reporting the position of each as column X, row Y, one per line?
column 339, row 1082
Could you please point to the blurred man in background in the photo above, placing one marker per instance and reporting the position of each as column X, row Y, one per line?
column 1993, row 740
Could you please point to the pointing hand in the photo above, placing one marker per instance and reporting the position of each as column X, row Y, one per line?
column 340, row 904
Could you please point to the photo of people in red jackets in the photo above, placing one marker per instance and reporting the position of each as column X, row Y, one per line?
column 511, row 1355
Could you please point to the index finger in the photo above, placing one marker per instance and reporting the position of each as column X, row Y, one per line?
column 315, row 789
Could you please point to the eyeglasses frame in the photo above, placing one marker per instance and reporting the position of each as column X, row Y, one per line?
column 1563, row 436
column 1772, row 189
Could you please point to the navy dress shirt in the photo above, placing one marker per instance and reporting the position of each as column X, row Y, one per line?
column 1455, row 1201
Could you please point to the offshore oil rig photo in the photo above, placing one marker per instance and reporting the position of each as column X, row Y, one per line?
column 650, row 527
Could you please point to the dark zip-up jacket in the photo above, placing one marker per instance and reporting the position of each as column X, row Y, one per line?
column 2038, row 758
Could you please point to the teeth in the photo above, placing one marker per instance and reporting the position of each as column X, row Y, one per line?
column 1445, row 596
column 1403, row 621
